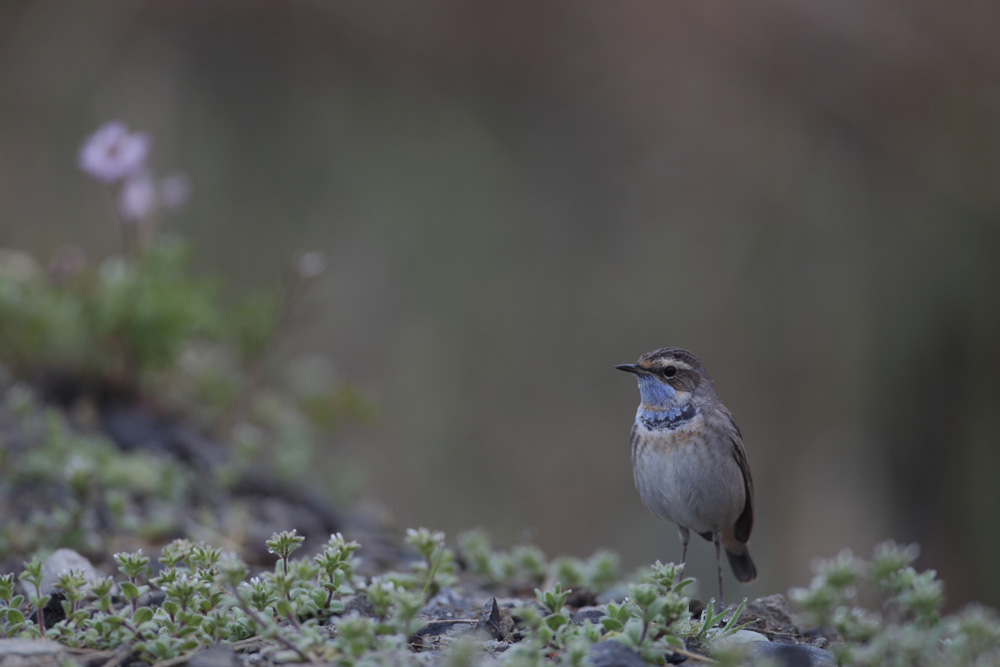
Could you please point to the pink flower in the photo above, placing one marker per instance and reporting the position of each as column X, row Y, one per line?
column 138, row 198
column 112, row 153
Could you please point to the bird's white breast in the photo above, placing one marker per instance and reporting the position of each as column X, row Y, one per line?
column 687, row 475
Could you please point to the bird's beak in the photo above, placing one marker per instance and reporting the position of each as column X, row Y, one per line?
column 630, row 368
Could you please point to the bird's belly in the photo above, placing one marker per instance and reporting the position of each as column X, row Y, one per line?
column 684, row 478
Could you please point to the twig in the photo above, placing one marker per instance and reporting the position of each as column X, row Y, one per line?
column 255, row 617
column 245, row 644
column 179, row 660
column 694, row 656
column 119, row 656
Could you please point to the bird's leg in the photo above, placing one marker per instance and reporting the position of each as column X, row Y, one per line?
column 717, row 541
column 685, row 536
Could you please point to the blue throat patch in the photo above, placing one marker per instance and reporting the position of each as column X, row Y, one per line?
column 667, row 414
column 667, row 419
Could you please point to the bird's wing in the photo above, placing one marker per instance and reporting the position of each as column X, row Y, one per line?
column 744, row 524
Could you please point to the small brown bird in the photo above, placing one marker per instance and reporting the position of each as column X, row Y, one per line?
column 688, row 458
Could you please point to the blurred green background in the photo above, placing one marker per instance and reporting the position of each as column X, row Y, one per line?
column 514, row 197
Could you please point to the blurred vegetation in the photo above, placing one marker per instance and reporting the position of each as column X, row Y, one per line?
column 147, row 345
column 514, row 197
column 63, row 488
column 906, row 625
column 152, row 330
column 122, row 324
column 90, row 351
column 138, row 396
column 149, row 327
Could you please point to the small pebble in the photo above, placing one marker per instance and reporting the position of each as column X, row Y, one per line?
column 738, row 638
column 592, row 614
column 32, row 653
column 60, row 562
column 215, row 656
column 610, row 653
column 795, row 655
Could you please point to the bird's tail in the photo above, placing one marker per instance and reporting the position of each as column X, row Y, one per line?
column 739, row 561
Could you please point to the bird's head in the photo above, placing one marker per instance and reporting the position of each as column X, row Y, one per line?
column 669, row 378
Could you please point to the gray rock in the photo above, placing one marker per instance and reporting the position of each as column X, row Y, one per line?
column 614, row 654
column 59, row 562
column 495, row 646
column 489, row 619
column 32, row 653
column 616, row 594
column 360, row 605
column 773, row 610
column 738, row 638
column 215, row 656
column 592, row 614
column 794, row 655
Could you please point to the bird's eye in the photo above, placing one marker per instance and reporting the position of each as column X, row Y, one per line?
column 670, row 371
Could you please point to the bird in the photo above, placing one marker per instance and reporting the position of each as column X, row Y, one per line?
column 688, row 459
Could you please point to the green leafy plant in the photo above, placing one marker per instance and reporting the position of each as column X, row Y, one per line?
column 297, row 610
column 143, row 332
column 98, row 483
column 437, row 569
column 655, row 617
column 547, row 624
column 712, row 617
column 908, row 628
column 526, row 565
column 12, row 621
column 32, row 574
